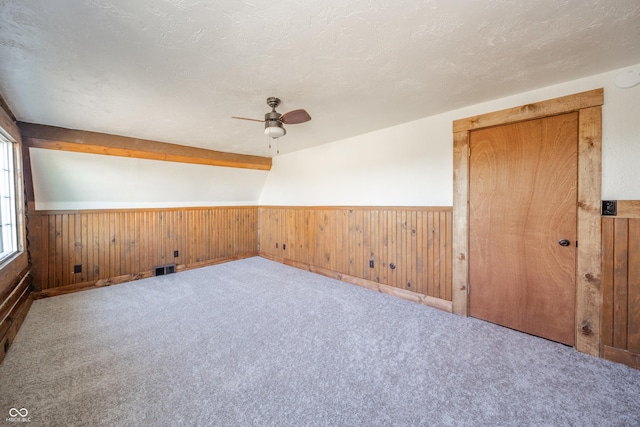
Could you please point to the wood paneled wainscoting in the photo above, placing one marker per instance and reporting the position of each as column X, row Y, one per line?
column 115, row 246
column 15, row 300
column 621, row 285
column 404, row 251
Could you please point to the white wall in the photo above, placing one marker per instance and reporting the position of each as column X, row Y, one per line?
column 412, row 164
column 67, row 180
column 406, row 165
column 402, row 165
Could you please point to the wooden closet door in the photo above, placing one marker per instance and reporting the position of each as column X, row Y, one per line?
column 522, row 210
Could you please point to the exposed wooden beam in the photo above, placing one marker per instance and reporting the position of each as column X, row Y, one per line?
column 5, row 107
column 56, row 138
column 7, row 123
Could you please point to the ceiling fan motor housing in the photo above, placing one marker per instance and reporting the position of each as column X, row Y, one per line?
column 273, row 126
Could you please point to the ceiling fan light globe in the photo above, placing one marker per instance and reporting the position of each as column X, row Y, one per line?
column 274, row 131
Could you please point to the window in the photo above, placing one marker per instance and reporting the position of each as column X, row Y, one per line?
column 8, row 226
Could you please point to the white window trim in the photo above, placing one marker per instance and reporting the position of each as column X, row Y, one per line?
column 18, row 219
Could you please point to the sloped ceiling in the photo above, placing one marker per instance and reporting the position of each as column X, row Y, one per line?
column 176, row 70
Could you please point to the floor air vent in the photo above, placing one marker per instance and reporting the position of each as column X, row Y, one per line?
column 164, row 269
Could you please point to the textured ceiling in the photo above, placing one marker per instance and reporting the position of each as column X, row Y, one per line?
column 176, row 70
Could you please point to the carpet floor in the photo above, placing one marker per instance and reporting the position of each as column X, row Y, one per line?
column 254, row 342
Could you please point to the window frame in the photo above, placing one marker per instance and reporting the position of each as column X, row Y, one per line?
column 16, row 221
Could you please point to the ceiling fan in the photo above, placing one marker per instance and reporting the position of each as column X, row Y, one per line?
column 274, row 122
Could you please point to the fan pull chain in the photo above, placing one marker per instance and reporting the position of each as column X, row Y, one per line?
column 277, row 144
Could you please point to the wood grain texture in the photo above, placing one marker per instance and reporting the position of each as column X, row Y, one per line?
column 620, row 284
column 520, row 276
column 621, row 356
column 4, row 107
column 12, row 271
column 608, row 253
column 8, row 125
column 460, row 294
column 621, row 289
column 20, row 285
column 344, row 240
column 633, row 283
column 628, row 209
column 125, row 243
column 13, row 310
column 10, row 325
column 589, row 261
column 588, row 294
column 83, row 286
column 426, row 300
column 536, row 110
column 55, row 138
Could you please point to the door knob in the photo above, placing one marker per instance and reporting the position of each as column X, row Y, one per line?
column 564, row 242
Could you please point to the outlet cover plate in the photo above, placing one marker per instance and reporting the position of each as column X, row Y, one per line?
column 609, row 207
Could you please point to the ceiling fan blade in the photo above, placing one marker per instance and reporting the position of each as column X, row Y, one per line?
column 294, row 117
column 245, row 118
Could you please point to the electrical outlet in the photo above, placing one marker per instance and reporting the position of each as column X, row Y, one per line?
column 77, row 269
column 176, row 254
column 371, row 263
column 284, row 247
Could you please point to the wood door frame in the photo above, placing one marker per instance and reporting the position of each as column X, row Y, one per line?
column 588, row 261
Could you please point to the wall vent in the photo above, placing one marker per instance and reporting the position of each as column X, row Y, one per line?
column 164, row 269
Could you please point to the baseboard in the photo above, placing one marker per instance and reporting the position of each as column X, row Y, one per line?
column 427, row 300
column 621, row 356
column 84, row 286
column 13, row 311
